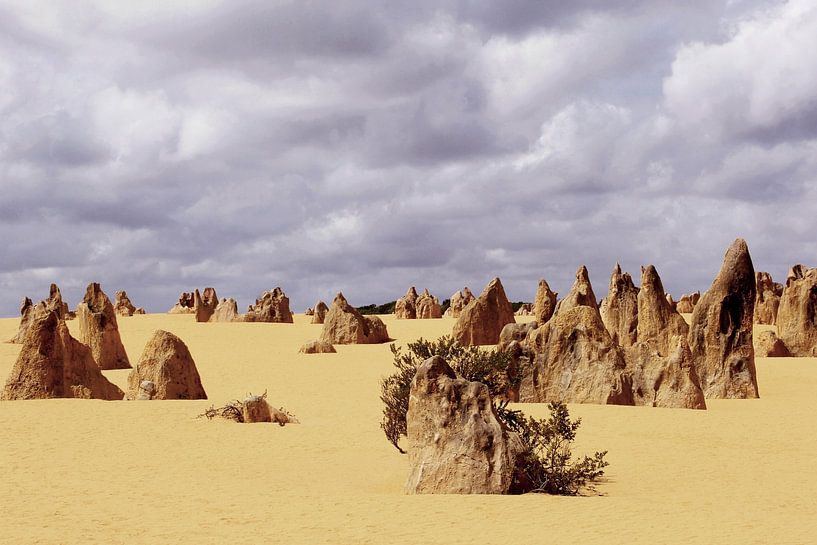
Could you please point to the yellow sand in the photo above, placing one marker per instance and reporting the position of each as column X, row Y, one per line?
column 78, row 471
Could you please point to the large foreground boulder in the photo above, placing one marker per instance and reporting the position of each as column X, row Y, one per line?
column 482, row 320
column 619, row 310
column 51, row 364
column 545, row 302
column 99, row 331
column 576, row 361
column 459, row 301
column 167, row 363
column 456, row 443
column 226, row 311
column 319, row 313
column 272, row 306
column 720, row 336
column 797, row 314
column 768, row 298
column 345, row 325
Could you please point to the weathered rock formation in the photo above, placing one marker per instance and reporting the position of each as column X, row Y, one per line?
column 99, row 331
column 580, row 294
column 405, row 308
column 51, row 364
column 147, row 390
column 797, row 314
column 525, row 310
column 660, row 361
column 273, row 306
column 226, row 311
column 122, row 304
column 482, row 320
column 319, row 314
column 204, row 304
column 671, row 302
column 345, row 325
column 545, row 302
column 456, row 443
column 428, row 306
column 55, row 302
column 767, row 345
column 768, row 298
column 665, row 380
column 576, row 361
column 619, row 310
column 167, row 363
column 317, row 347
column 459, row 301
column 26, row 309
column 185, row 304
column 720, row 336
column 686, row 304
column 657, row 321
column 309, row 311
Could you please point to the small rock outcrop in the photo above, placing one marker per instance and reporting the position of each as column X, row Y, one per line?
column 576, row 361
column 767, row 345
column 273, row 306
column 526, row 309
column 317, row 347
column 204, row 304
column 545, row 302
column 226, row 311
column 482, row 320
column 720, row 336
column 184, row 305
column 619, row 310
column 459, row 301
column 768, row 298
column 99, row 331
column 122, row 304
column 580, row 294
column 53, row 364
column 309, row 311
column 255, row 409
column 797, row 314
column 456, row 443
column 319, row 314
column 671, row 302
column 167, row 363
column 686, row 304
column 345, row 325
column 428, row 307
column 405, row 308
column 147, row 391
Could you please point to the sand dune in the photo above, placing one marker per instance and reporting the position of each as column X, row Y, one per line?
column 77, row 471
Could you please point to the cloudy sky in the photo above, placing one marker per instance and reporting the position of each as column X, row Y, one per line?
column 365, row 146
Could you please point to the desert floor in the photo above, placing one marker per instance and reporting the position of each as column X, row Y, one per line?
column 76, row 471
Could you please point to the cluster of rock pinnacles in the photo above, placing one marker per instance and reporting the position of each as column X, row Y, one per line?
column 634, row 347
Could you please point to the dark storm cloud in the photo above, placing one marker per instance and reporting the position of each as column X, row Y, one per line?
column 368, row 146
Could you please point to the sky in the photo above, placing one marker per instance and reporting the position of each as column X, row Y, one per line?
column 366, row 146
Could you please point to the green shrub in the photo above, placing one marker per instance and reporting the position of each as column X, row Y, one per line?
column 385, row 308
column 470, row 362
column 546, row 464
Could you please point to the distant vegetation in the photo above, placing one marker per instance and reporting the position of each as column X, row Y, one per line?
column 385, row 308
column 516, row 306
